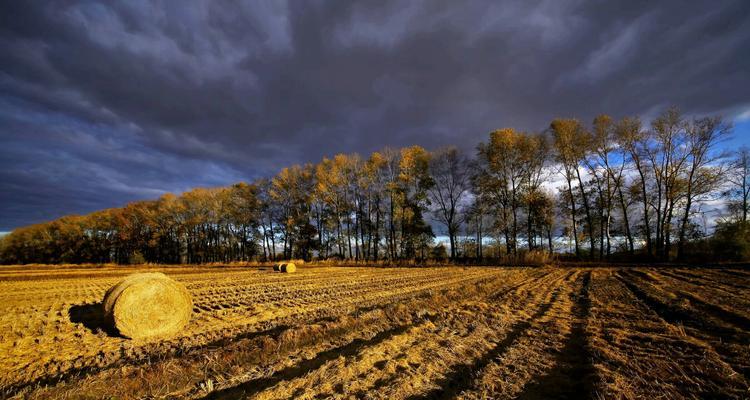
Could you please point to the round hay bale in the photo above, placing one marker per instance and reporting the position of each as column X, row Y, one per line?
column 148, row 305
column 277, row 267
column 288, row 268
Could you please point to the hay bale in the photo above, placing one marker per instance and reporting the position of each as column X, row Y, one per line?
column 277, row 267
column 148, row 305
column 288, row 268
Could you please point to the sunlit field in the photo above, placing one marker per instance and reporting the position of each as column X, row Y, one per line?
column 374, row 200
column 417, row 333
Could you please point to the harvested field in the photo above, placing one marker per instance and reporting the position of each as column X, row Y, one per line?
column 414, row 333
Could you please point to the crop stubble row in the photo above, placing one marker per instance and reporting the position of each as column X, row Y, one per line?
column 39, row 338
column 433, row 333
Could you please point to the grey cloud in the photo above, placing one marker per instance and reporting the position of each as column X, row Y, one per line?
column 104, row 103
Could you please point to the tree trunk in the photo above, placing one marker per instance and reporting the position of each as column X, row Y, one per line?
column 573, row 215
column 626, row 221
column 376, row 242
column 588, row 213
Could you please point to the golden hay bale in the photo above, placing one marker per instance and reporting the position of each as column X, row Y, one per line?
column 288, row 268
column 148, row 305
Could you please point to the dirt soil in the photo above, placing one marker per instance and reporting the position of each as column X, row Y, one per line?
column 387, row 333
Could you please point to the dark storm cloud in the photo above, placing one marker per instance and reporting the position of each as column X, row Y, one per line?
column 104, row 103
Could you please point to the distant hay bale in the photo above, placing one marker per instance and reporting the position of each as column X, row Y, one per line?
column 148, row 305
column 285, row 267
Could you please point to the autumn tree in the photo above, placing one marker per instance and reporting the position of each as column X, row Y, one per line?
column 476, row 219
column 414, row 183
column 538, row 204
column 570, row 143
column 332, row 188
column 291, row 189
column 646, row 184
column 373, row 188
column 243, row 215
column 510, row 174
column 269, row 214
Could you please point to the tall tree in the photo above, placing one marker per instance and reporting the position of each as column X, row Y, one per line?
column 703, row 177
column 633, row 141
column 536, row 150
column 415, row 183
column 598, row 163
column 739, row 178
column 291, row 189
column 570, row 142
column 449, row 171
column 510, row 166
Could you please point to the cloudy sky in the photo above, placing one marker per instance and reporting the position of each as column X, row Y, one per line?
column 104, row 103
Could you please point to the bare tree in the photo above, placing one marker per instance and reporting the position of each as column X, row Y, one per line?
column 739, row 176
column 632, row 141
column 450, row 175
column 667, row 155
column 536, row 149
column 598, row 164
column 703, row 177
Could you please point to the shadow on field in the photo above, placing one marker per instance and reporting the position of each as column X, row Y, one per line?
column 250, row 388
column 92, row 317
column 462, row 376
column 572, row 376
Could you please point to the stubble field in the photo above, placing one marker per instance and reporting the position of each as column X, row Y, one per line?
column 414, row 333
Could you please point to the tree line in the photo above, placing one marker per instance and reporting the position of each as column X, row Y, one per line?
column 609, row 188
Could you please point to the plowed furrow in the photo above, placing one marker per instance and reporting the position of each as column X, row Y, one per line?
column 527, row 363
column 182, row 361
column 250, row 388
column 732, row 311
column 713, row 279
column 440, row 374
column 209, row 326
column 372, row 370
column 102, row 359
column 696, row 313
column 461, row 377
column 573, row 374
column 637, row 353
column 729, row 343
